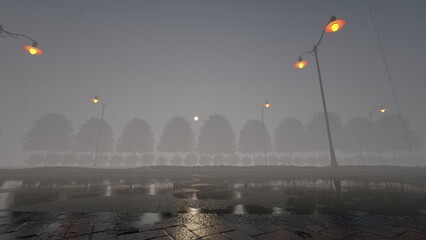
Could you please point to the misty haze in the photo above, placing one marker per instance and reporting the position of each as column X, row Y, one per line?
column 214, row 119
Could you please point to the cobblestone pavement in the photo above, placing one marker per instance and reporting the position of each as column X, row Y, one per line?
column 126, row 226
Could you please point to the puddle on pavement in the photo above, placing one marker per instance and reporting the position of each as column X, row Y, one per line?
column 237, row 209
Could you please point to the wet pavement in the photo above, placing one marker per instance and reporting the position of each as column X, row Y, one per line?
column 199, row 207
column 25, row 225
column 316, row 196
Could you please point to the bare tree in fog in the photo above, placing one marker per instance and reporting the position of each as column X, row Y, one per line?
column 316, row 130
column 251, row 138
column 50, row 133
column 359, row 136
column 216, row 136
column 86, row 138
column 177, row 137
column 136, row 138
column 290, row 136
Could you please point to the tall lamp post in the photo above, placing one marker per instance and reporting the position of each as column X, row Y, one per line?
column 97, row 100
column 266, row 105
column 380, row 109
column 333, row 25
column 31, row 49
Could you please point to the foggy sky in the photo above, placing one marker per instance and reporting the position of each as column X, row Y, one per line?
column 159, row 59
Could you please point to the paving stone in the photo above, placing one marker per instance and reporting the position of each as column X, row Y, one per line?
column 364, row 235
column 153, row 234
column 419, row 230
column 194, row 226
column 278, row 235
column 319, row 236
column 81, row 237
column 213, row 230
column 7, row 236
column 386, row 231
column 164, row 238
column 23, row 225
column 101, row 227
column 78, row 229
column 237, row 235
column 314, row 228
column 180, row 233
column 339, row 232
column 270, row 228
column 7, row 228
column 215, row 237
column 410, row 235
column 103, row 236
column 150, row 227
column 130, row 236
column 300, row 231
column 30, row 230
column 124, row 230
column 247, row 229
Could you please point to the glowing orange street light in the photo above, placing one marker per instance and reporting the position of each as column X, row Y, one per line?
column 301, row 63
column 33, row 49
column 334, row 25
column 95, row 99
column 267, row 104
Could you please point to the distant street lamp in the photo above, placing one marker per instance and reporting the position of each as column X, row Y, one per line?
column 380, row 109
column 333, row 25
column 266, row 105
column 97, row 100
column 31, row 49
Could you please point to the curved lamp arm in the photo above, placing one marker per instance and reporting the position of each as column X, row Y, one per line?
column 4, row 33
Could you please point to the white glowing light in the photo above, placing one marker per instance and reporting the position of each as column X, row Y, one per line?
column 196, row 118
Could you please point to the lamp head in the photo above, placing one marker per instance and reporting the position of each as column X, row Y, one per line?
column 334, row 25
column 382, row 109
column 96, row 99
column 301, row 63
column 267, row 104
column 33, row 49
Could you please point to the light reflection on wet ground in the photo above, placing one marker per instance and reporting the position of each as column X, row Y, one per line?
column 232, row 196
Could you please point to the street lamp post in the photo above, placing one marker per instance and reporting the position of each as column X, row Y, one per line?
column 333, row 25
column 31, row 49
column 371, row 114
column 97, row 100
column 266, row 105
column 330, row 141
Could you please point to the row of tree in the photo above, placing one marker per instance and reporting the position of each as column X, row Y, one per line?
column 192, row 159
column 54, row 133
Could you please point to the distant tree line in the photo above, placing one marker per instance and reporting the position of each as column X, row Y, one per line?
column 52, row 137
